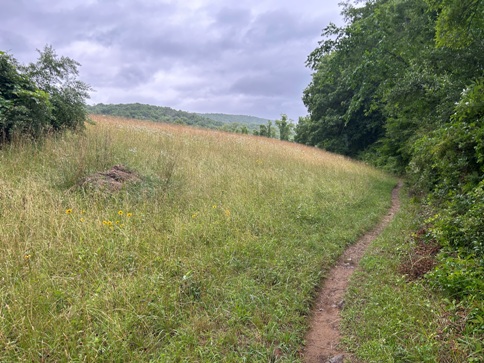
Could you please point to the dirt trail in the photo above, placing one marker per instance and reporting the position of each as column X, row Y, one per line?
column 324, row 336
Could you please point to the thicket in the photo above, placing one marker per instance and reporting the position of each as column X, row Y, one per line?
column 40, row 98
column 401, row 85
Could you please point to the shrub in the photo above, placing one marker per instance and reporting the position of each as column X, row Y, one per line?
column 40, row 98
column 24, row 108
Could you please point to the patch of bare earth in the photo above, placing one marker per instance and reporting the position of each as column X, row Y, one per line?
column 111, row 180
column 421, row 258
column 323, row 337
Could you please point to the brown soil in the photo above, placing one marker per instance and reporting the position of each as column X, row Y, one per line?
column 421, row 258
column 112, row 180
column 323, row 337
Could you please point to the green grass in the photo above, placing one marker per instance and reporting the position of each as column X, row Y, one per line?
column 390, row 319
column 214, row 256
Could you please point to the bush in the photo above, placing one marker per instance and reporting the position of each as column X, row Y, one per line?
column 24, row 108
column 40, row 98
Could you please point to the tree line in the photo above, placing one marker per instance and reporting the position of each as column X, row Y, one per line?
column 401, row 85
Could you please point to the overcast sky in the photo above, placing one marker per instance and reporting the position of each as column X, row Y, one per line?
column 238, row 57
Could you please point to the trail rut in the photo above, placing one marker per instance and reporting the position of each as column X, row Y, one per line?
column 323, row 337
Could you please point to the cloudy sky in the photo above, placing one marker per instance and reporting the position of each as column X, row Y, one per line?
column 238, row 57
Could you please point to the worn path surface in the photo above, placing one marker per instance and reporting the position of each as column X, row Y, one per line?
column 323, row 338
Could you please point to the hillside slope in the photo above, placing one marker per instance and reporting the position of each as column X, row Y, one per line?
column 152, row 242
column 252, row 122
column 154, row 113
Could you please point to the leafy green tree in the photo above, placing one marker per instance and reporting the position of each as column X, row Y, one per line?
column 40, row 98
column 459, row 23
column 244, row 129
column 263, row 131
column 266, row 130
column 303, row 131
column 342, row 99
column 271, row 131
column 24, row 108
column 380, row 82
column 285, row 127
column 58, row 76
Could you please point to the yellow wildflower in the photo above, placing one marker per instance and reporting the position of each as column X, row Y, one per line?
column 129, row 214
column 69, row 211
column 120, row 212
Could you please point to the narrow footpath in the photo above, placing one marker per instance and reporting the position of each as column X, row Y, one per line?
column 323, row 337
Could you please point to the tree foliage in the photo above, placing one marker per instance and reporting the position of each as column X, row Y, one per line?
column 24, row 108
column 41, row 97
column 401, row 85
column 285, row 127
column 266, row 130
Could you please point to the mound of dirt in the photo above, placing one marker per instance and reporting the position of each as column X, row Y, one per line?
column 421, row 258
column 113, row 179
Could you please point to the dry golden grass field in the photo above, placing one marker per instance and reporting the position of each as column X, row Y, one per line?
column 210, row 253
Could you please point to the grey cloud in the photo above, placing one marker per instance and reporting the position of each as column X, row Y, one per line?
column 279, row 26
column 281, row 83
column 232, row 17
column 131, row 76
column 13, row 41
column 244, row 58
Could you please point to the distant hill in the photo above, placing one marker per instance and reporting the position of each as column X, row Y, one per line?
column 241, row 119
column 154, row 113
column 217, row 121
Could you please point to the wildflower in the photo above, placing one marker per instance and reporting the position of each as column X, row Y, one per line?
column 27, row 256
column 214, row 206
column 68, row 211
column 120, row 212
column 129, row 214
column 82, row 219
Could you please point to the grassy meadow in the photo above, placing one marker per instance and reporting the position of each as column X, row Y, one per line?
column 214, row 256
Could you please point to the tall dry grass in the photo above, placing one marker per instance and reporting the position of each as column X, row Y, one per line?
column 213, row 256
